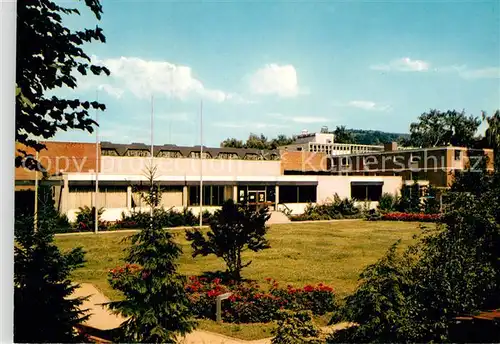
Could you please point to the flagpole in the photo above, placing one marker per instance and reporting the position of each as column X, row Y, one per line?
column 36, row 194
column 96, row 215
column 152, row 150
column 201, row 163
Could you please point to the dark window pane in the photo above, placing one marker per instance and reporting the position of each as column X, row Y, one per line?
column 288, row 194
column 271, row 194
column 374, row 192
column 307, row 194
column 194, row 195
column 358, row 192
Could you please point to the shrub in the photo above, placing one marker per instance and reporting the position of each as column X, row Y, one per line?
column 166, row 217
column 233, row 230
column 295, row 328
column 419, row 217
column 249, row 303
column 387, row 202
column 336, row 209
column 85, row 219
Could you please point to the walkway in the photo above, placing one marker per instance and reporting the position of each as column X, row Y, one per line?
column 101, row 318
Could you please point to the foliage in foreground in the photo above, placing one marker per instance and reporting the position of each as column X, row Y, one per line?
column 42, row 285
column 451, row 271
column 50, row 61
column 295, row 328
column 155, row 303
column 233, row 229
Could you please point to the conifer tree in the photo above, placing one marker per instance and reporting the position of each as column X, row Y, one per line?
column 42, row 311
column 155, row 305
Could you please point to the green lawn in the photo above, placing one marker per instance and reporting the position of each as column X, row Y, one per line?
column 333, row 253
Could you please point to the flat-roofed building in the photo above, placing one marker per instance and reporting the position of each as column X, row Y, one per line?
column 275, row 178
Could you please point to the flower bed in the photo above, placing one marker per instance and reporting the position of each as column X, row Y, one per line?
column 420, row 217
column 250, row 303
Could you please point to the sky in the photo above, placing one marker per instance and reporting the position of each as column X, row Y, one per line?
column 276, row 67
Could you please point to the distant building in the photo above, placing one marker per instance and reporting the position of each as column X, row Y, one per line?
column 324, row 142
column 435, row 166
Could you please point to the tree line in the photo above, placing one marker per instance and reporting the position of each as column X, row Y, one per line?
column 434, row 128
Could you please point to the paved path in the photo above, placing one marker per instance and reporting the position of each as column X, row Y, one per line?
column 102, row 318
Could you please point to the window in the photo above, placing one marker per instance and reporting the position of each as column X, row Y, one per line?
column 109, row 152
column 288, row 194
column 169, row 154
column 307, row 193
column 366, row 191
column 138, row 152
column 297, row 194
column 252, row 156
column 227, row 156
column 196, row 155
column 213, row 195
column 345, row 162
column 458, row 155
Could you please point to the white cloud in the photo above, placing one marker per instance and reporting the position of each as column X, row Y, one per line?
column 111, row 90
column 145, row 77
column 367, row 105
column 299, row 119
column 249, row 125
column 404, row 64
column 275, row 79
column 483, row 73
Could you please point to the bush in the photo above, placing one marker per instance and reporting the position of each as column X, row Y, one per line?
column 295, row 328
column 250, row 303
column 85, row 219
column 419, row 217
column 387, row 202
column 166, row 217
column 336, row 209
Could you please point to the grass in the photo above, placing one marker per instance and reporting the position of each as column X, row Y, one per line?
column 333, row 253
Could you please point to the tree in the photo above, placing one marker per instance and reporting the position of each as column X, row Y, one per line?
column 450, row 271
column 232, row 143
column 258, row 142
column 342, row 135
column 493, row 135
column 436, row 128
column 155, row 303
column 42, row 311
column 281, row 140
column 233, row 230
column 49, row 62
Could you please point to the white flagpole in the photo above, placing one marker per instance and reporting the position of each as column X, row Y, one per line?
column 201, row 163
column 96, row 218
column 152, row 151
column 36, row 194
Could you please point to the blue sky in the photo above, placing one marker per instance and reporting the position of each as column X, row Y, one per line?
column 279, row 67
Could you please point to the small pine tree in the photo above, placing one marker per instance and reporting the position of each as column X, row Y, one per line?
column 155, row 303
column 233, row 229
column 42, row 311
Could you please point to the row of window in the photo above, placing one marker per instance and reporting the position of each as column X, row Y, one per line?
column 193, row 155
column 215, row 195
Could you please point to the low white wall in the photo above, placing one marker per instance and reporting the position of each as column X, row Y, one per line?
column 296, row 208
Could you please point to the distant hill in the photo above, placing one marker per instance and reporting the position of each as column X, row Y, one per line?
column 375, row 137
